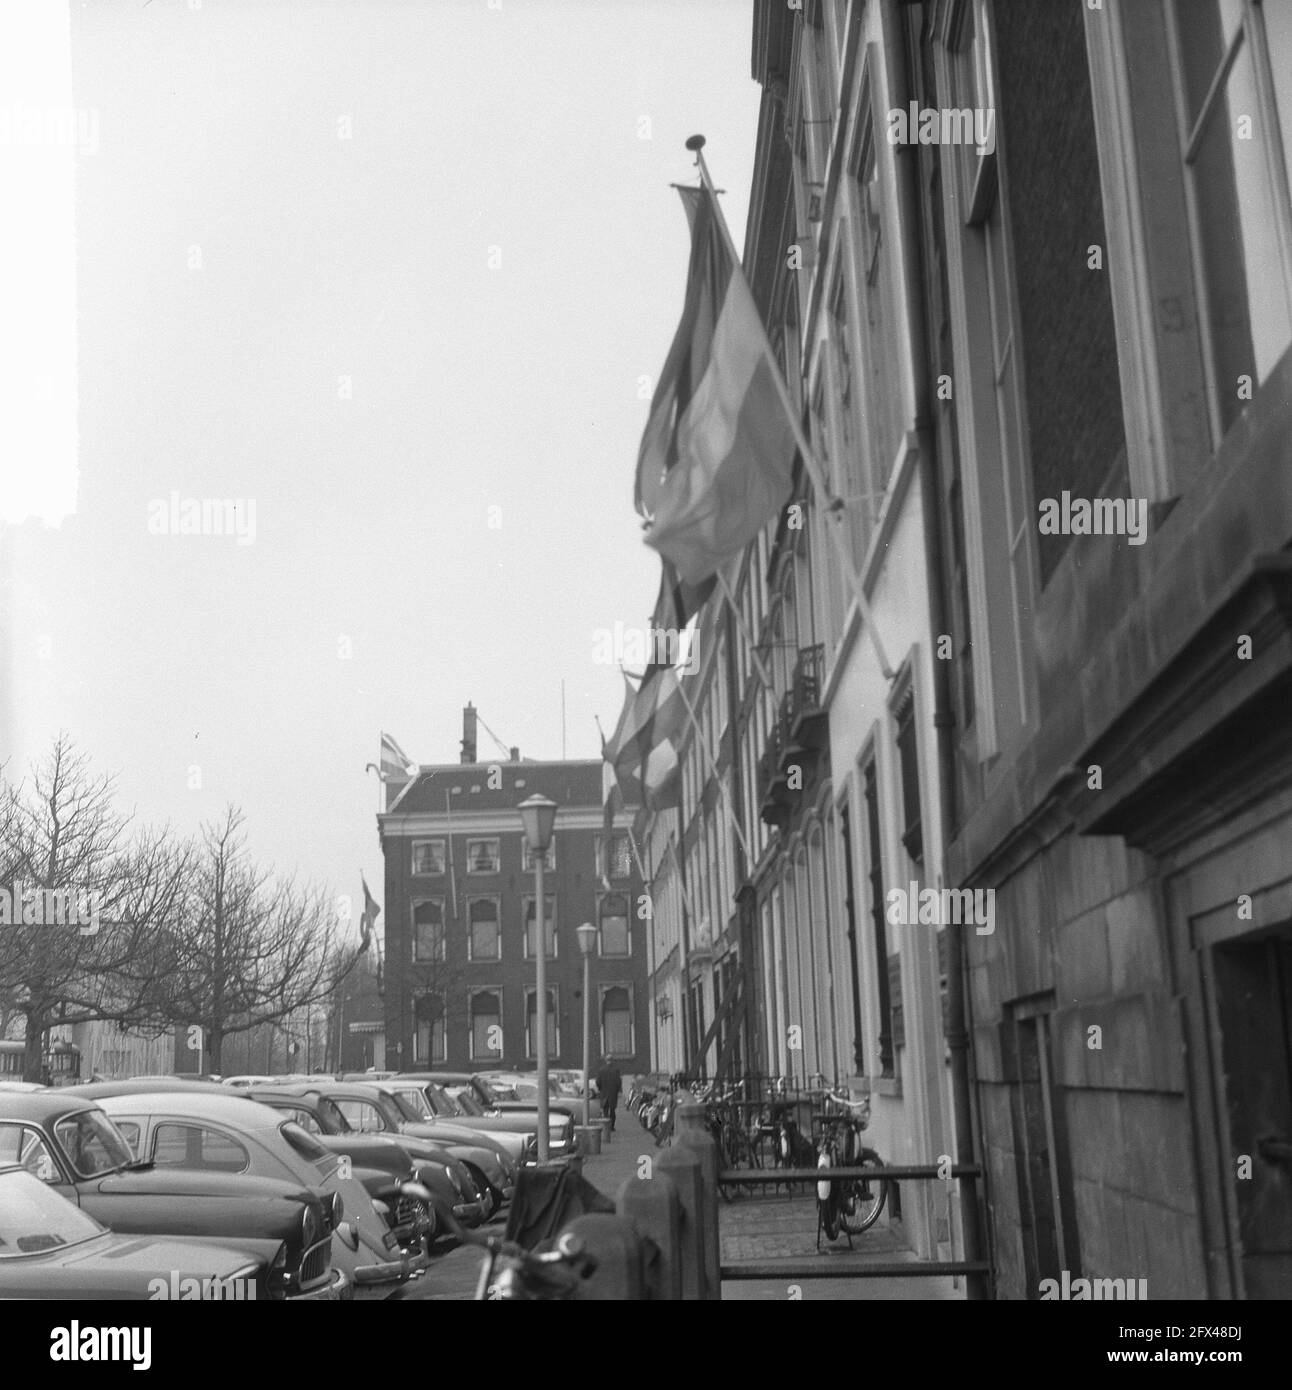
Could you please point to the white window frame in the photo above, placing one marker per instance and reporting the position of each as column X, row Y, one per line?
column 497, row 993
column 416, row 902
column 497, row 855
column 496, row 900
column 428, row 873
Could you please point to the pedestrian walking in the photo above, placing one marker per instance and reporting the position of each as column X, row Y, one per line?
column 609, row 1084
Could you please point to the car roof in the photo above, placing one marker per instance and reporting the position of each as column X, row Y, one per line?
column 148, row 1085
column 42, row 1107
column 200, row 1105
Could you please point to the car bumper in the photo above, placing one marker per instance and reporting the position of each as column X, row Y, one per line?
column 338, row 1289
column 393, row 1271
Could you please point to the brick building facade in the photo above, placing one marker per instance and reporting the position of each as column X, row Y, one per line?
column 459, row 919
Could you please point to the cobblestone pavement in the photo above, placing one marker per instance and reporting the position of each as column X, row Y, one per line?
column 781, row 1227
column 764, row 1229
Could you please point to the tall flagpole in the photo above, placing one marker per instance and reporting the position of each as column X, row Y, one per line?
column 713, row 768
column 696, row 145
column 757, row 656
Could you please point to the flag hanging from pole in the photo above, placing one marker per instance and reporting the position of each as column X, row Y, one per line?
column 369, row 918
column 717, row 455
column 679, row 602
column 395, row 763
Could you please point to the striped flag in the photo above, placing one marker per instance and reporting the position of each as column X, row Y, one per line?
column 395, row 765
column 642, row 752
column 679, row 602
column 717, row 455
column 369, row 918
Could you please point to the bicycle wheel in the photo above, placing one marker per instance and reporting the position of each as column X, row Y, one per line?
column 862, row 1199
column 827, row 1199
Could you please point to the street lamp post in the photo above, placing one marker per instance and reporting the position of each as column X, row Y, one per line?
column 538, row 815
column 587, row 935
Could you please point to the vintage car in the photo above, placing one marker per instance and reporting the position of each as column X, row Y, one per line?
column 52, row 1249
column 464, row 1099
column 374, row 1109
column 70, row 1143
column 195, row 1129
column 519, row 1090
column 474, row 1196
column 384, row 1169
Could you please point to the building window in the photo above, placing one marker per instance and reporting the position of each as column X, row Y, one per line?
column 549, row 925
column 531, row 1032
column 527, row 856
column 615, row 940
column 428, row 857
column 486, row 1026
column 432, row 1043
column 482, row 856
column 617, row 1021
column 485, row 940
column 1230, row 139
column 618, row 852
column 909, row 763
column 428, row 929
column 879, row 925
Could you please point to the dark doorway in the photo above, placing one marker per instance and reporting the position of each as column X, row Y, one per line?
column 1253, row 999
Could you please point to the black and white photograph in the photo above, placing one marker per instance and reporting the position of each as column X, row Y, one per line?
column 759, row 531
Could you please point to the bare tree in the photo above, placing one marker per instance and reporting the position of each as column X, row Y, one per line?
column 246, row 951
column 86, row 903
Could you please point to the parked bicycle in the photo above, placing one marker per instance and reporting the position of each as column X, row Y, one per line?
column 851, row 1205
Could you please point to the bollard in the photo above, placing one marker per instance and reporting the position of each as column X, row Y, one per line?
column 614, row 1243
column 655, row 1210
column 589, row 1138
column 691, row 1136
column 685, row 1167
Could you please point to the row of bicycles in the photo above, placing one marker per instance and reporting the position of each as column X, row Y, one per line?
column 767, row 1123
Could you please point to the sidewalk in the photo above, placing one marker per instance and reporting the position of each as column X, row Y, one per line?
column 779, row 1227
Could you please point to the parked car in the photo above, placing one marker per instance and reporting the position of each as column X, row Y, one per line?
column 373, row 1109
column 219, row 1132
column 71, row 1144
column 468, row 1180
column 564, row 1090
column 50, row 1248
column 464, row 1098
column 384, row 1169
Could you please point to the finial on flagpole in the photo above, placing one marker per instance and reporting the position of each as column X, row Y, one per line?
column 695, row 143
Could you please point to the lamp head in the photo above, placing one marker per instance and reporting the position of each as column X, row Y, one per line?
column 538, row 815
column 587, row 935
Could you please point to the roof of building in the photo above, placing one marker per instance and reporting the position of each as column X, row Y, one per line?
column 571, row 783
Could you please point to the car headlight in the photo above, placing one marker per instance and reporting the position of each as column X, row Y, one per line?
column 335, row 1210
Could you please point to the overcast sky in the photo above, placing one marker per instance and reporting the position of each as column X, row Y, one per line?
column 368, row 270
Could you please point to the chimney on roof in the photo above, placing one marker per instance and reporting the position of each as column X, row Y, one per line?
column 469, row 733
column 515, row 755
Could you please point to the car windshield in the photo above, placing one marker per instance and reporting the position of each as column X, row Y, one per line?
column 412, row 1105
column 92, row 1143
column 35, row 1219
column 463, row 1101
column 332, row 1117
